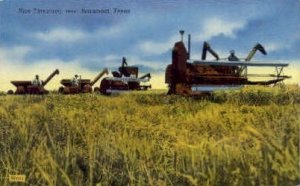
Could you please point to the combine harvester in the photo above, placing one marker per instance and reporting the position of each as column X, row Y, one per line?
column 125, row 80
column 197, row 77
column 78, row 85
column 32, row 87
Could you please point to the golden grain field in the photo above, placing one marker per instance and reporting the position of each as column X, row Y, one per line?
column 244, row 137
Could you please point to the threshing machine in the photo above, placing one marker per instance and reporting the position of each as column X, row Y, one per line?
column 196, row 77
column 32, row 87
column 75, row 86
column 124, row 80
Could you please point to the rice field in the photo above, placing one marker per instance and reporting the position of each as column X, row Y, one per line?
column 243, row 137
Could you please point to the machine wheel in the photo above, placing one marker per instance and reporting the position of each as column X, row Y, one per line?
column 96, row 89
column 171, row 89
column 66, row 90
column 182, row 89
column 10, row 92
column 104, row 85
column 61, row 90
column 87, row 89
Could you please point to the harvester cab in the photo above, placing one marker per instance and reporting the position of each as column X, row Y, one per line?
column 124, row 80
column 78, row 85
column 197, row 77
column 32, row 87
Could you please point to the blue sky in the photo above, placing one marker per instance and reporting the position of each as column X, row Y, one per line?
column 89, row 42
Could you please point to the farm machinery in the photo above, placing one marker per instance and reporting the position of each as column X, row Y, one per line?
column 78, row 85
column 32, row 87
column 197, row 77
column 125, row 79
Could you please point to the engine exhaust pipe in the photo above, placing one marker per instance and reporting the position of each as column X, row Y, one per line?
column 189, row 42
column 181, row 33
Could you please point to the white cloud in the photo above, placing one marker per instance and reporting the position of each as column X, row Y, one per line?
column 14, row 53
column 154, row 48
column 151, row 47
column 111, row 57
column 105, row 61
column 60, row 35
column 212, row 27
column 272, row 46
column 112, row 31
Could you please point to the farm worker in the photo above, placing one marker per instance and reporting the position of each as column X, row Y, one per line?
column 232, row 57
column 36, row 81
column 75, row 80
column 124, row 63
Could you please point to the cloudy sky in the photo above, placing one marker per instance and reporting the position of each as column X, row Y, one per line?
column 32, row 42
